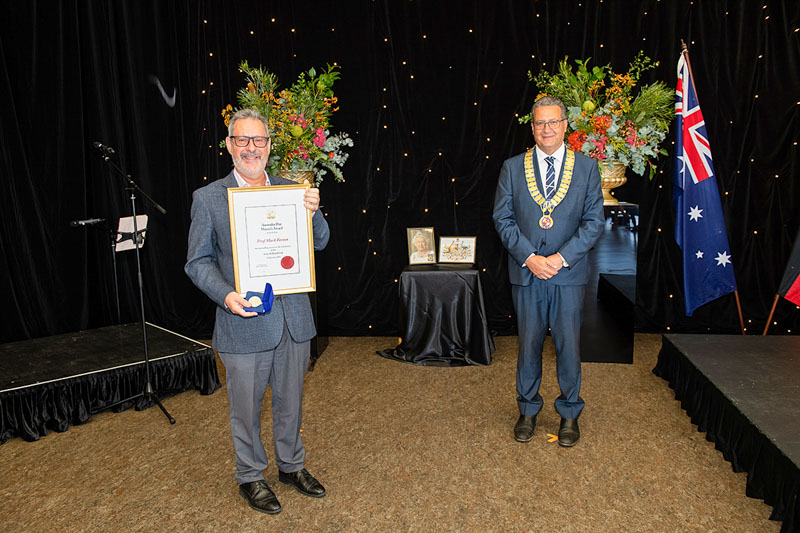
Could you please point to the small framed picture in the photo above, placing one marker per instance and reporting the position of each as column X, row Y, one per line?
column 457, row 249
column 421, row 249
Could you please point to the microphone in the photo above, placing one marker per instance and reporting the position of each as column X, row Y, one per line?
column 86, row 222
column 102, row 148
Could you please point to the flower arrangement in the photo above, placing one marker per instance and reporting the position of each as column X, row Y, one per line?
column 607, row 122
column 299, row 119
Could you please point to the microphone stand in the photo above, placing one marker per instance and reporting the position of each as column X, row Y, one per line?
column 131, row 186
column 113, row 234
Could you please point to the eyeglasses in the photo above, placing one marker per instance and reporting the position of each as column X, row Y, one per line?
column 243, row 140
column 539, row 125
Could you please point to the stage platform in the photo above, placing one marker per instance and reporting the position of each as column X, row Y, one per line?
column 54, row 382
column 744, row 393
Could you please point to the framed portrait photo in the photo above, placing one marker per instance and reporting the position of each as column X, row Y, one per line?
column 457, row 249
column 272, row 239
column 421, row 249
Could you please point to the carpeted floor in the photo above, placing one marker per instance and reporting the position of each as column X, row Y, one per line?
column 399, row 448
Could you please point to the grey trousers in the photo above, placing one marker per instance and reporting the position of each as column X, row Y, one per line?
column 247, row 376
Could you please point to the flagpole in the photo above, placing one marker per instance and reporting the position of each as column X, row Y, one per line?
column 685, row 52
column 771, row 312
column 739, row 308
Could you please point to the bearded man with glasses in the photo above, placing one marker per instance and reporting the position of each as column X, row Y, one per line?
column 548, row 211
column 257, row 350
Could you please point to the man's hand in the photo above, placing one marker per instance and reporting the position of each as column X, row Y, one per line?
column 311, row 198
column 543, row 267
column 556, row 261
column 236, row 304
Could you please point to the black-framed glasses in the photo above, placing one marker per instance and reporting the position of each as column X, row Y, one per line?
column 540, row 124
column 259, row 141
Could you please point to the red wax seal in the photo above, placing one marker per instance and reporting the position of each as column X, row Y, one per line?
column 287, row 262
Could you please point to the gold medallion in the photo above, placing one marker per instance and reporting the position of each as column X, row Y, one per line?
column 545, row 222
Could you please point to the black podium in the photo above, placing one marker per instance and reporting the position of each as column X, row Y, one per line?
column 442, row 317
column 608, row 308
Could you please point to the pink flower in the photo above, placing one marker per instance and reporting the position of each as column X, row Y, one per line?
column 319, row 139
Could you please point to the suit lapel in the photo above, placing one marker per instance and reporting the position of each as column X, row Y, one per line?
column 229, row 181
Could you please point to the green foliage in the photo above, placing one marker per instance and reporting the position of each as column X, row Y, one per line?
column 607, row 120
column 299, row 119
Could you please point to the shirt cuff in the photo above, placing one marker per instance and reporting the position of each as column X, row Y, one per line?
column 563, row 261
column 526, row 259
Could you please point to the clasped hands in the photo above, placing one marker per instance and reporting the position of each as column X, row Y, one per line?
column 544, row 267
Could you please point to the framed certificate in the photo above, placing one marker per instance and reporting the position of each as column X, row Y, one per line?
column 457, row 249
column 272, row 239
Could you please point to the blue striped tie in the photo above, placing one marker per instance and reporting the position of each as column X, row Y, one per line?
column 550, row 177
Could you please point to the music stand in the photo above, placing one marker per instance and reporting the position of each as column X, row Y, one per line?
column 137, row 237
column 127, row 235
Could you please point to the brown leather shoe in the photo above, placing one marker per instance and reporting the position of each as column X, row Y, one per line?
column 303, row 482
column 260, row 497
column 523, row 429
column 568, row 432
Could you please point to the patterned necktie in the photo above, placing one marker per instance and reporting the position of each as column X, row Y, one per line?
column 550, row 177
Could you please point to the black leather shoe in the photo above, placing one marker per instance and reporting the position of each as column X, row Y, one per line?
column 303, row 482
column 568, row 432
column 523, row 429
column 260, row 497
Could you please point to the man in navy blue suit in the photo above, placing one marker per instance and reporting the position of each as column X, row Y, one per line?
column 548, row 211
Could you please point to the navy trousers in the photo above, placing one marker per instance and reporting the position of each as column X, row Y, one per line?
column 560, row 307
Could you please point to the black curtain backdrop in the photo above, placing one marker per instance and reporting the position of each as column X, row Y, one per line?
column 430, row 91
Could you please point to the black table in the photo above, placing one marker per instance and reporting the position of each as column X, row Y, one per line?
column 442, row 318
column 624, row 214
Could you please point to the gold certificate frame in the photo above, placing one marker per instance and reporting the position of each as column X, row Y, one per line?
column 272, row 239
column 457, row 249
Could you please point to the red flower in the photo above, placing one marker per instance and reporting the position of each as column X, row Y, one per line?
column 576, row 140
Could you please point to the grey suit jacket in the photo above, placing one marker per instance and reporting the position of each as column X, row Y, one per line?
column 578, row 220
column 209, row 264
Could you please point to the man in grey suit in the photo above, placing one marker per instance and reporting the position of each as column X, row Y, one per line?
column 548, row 211
column 257, row 350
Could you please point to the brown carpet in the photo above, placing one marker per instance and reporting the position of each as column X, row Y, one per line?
column 399, row 448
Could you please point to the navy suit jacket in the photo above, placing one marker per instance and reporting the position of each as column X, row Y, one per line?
column 209, row 264
column 578, row 220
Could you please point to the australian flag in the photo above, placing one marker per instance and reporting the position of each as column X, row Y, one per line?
column 699, row 224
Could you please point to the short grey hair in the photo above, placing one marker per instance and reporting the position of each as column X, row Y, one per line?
column 247, row 113
column 550, row 101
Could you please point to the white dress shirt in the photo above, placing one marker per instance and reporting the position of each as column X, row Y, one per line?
column 558, row 160
column 240, row 180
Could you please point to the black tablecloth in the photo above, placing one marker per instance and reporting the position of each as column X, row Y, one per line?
column 442, row 318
